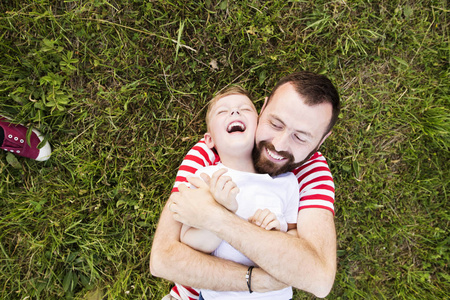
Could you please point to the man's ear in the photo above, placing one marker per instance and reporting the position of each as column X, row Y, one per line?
column 264, row 105
column 208, row 140
column 324, row 138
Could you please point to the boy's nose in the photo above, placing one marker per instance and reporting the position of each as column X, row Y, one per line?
column 233, row 111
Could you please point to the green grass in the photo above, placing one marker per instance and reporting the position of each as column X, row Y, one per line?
column 119, row 89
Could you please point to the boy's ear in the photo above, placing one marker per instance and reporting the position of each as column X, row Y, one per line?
column 208, row 140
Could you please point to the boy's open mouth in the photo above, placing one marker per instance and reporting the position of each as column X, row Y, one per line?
column 236, row 126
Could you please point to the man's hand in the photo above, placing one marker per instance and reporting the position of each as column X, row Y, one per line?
column 194, row 213
column 193, row 207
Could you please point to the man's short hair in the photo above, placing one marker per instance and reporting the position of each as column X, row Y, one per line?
column 315, row 89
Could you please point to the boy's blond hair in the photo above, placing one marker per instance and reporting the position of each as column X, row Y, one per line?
column 232, row 90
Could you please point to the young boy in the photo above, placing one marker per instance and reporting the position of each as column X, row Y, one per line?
column 271, row 203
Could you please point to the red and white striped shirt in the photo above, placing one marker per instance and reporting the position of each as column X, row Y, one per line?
column 315, row 182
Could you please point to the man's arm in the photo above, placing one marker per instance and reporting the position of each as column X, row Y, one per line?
column 174, row 261
column 307, row 262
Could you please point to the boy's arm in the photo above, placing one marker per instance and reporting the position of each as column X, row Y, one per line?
column 199, row 239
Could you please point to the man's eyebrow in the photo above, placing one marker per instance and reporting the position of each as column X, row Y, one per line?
column 306, row 133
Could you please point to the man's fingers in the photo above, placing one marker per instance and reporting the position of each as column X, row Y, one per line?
column 176, row 217
column 197, row 182
column 182, row 187
column 172, row 199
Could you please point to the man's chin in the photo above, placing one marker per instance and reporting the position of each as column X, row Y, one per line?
column 264, row 164
column 273, row 169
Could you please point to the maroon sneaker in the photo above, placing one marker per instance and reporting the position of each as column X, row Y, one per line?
column 15, row 141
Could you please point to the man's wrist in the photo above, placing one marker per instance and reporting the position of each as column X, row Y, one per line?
column 216, row 218
column 262, row 282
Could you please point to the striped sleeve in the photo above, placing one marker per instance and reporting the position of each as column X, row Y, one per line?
column 316, row 185
column 182, row 292
column 198, row 157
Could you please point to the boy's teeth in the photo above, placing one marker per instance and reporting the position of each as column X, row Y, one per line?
column 232, row 127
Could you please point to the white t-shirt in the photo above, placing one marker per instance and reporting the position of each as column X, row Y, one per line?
column 257, row 191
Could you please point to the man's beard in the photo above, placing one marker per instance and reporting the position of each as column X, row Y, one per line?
column 264, row 165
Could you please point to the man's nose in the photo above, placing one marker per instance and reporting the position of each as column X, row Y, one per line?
column 281, row 141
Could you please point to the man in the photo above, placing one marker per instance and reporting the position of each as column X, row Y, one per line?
column 295, row 120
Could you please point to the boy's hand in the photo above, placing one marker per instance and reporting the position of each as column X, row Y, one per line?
column 223, row 189
column 265, row 219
